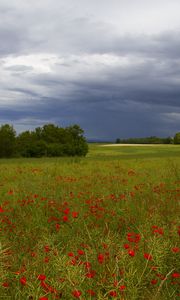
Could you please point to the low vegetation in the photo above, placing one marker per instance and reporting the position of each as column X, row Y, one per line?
column 151, row 140
column 101, row 227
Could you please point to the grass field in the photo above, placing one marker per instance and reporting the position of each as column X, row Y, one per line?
column 102, row 227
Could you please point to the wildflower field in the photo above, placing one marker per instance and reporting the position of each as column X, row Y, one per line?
column 102, row 227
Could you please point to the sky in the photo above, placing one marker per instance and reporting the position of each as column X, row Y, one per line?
column 111, row 66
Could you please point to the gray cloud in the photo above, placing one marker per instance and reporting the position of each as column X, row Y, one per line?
column 112, row 68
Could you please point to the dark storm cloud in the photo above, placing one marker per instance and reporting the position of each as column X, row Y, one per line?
column 100, row 65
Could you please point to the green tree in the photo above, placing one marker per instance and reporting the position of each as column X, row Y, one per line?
column 177, row 138
column 30, row 144
column 51, row 140
column 76, row 143
column 7, row 141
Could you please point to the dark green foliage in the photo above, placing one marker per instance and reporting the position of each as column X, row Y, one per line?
column 49, row 140
column 145, row 140
column 177, row 138
column 7, row 140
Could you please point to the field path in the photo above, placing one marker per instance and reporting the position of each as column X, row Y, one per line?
column 132, row 145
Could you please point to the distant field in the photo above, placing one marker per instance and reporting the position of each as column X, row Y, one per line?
column 102, row 227
column 117, row 151
column 134, row 145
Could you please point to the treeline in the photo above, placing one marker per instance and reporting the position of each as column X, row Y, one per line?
column 49, row 140
column 151, row 140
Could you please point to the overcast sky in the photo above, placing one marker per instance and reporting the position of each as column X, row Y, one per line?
column 111, row 66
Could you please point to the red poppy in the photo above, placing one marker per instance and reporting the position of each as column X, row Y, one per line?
column 100, row 258
column 41, row 277
column 81, row 252
column 66, row 211
column 133, row 237
column 75, row 214
column 113, row 294
column 122, row 288
column 87, row 264
column 158, row 230
column 1, row 210
column 5, row 284
column 91, row 292
column 65, row 218
column 175, row 275
column 46, row 248
column 46, row 259
column 126, row 246
column 76, row 293
column 91, row 274
column 154, row 281
column 131, row 253
column 175, row 249
column 57, row 226
column 48, row 288
column 23, row 280
column 148, row 256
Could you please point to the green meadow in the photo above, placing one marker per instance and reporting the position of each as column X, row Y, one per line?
column 105, row 226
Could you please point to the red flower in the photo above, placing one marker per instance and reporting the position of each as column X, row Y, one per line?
column 41, row 277
column 100, row 258
column 1, row 210
column 175, row 275
column 133, row 237
column 175, row 249
column 126, row 246
column 23, row 280
column 148, row 256
column 57, row 226
column 5, row 284
column 91, row 292
column 113, row 294
column 43, row 298
column 122, row 288
column 131, row 253
column 48, row 288
column 65, row 218
column 46, row 248
column 10, row 192
column 76, row 294
column 66, row 211
column 70, row 254
column 87, row 265
column 91, row 274
column 154, row 281
column 81, row 252
column 75, row 214
column 46, row 259
column 158, row 230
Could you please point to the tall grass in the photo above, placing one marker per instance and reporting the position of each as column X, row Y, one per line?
column 101, row 227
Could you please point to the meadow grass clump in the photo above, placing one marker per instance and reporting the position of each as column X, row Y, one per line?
column 101, row 227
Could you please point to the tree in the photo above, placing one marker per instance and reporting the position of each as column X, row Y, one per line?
column 7, row 140
column 177, row 138
column 30, row 144
column 76, row 143
column 51, row 140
